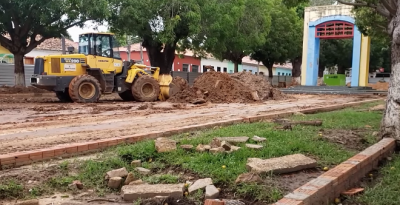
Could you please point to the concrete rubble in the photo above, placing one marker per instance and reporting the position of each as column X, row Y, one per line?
column 136, row 163
column 200, row 184
column 211, row 192
column 114, row 182
column 280, row 165
column 137, row 182
column 142, row 171
column 133, row 192
column 130, row 178
column 217, row 150
column 117, row 173
column 29, row 202
column 258, row 139
column 234, row 140
column 165, row 145
column 248, row 178
column 254, row 146
column 187, row 147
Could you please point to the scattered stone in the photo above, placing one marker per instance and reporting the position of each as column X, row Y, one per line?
column 165, row 145
column 187, row 147
column 200, row 184
column 130, row 178
column 117, row 173
column 234, row 148
column 215, row 143
column 226, row 145
column 258, row 139
column 353, row 192
column 375, row 134
column 78, row 184
column 200, row 148
column 72, row 187
column 133, row 192
column 114, row 182
column 380, row 107
column 280, row 165
column 248, row 178
column 143, row 171
column 137, row 182
column 234, row 140
column 136, row 163
column 217, row 150
column 211, row 192
column 254, row 146
column 207, row 147
column 29, row 202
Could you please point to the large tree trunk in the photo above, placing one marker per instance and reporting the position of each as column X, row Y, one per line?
column 236, row 68
column 390, row 126
column 341, row 69
column 159, row 56
column 296, row 70
column 19, row 70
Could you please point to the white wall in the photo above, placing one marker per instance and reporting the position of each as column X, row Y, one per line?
column 36, row 52
column 213, row 62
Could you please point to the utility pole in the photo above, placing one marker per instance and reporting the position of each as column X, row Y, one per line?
column 141, row 52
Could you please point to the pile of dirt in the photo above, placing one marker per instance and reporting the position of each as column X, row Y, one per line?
column 17, row 89
column 219, row 87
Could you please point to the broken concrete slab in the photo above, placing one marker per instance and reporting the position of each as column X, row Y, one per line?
column 234, row 148
column 130, row 178
column 136, row 163
column 137, row 182
column 234, row 140
column 207, row 147
column 117, row 173
column 165, row 145
column 142, row 171
column 248, row 178
column 144, row 191
column 226, row 145
column 217, row 150
column 215, row 143
column 280, row 165
column 254, row 146
column 258, row 139
column 200, row 184
column 200, row 148
column 114, row 182
column 187, row 147
column 211, row 192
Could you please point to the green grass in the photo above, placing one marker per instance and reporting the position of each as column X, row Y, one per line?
column 301, row 139
column 384, row 190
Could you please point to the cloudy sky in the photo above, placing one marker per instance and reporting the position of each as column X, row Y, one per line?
column 89, row 27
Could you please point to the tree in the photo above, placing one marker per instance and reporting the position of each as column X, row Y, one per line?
column 30, row 22
column 237, row 27
column 389, row 10
column 284, row 41
column 160, row 24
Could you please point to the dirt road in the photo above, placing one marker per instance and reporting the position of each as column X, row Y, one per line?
column 28, row 123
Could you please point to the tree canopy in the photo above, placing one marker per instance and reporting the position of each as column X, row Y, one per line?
column 30, row 22
column 284, row 41
column 237, row 26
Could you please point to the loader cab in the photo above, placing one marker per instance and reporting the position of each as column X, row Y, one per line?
column 99, row 44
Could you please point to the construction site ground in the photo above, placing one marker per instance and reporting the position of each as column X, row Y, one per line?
column 33, row 121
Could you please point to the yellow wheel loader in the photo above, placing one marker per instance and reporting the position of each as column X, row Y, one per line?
column 97, row 69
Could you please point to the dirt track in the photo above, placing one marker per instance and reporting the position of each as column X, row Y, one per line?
column 40, row 122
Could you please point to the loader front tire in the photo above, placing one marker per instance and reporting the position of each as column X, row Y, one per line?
column 84, row 89
column 145, row 89
column 126, row 96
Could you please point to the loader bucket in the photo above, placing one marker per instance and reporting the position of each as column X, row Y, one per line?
column 165, row 83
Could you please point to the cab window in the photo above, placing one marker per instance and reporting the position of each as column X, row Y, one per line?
column 115, row 45
column 103, row 47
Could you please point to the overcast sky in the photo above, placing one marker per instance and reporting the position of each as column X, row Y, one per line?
column 89, row 27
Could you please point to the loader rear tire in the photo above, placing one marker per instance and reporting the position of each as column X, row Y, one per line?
column 63, row 96
column 126, row 96
column 145, row 89
column 84, row 89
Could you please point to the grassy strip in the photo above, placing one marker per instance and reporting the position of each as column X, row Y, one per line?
column 222, row 168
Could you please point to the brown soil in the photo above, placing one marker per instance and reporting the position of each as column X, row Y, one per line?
column 14, row 90
column 219, row 87
column 351, row 139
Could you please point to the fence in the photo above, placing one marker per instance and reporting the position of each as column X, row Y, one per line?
column 7, row 74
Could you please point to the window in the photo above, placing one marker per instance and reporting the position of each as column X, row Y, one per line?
column 185, row 67
column 115, row 45
column 103, row 47
column 204, row 69
column 83, row 44
column 218, row 69
column 225, row 70
column 195, row 68
column 279, row 73
column 290, row 74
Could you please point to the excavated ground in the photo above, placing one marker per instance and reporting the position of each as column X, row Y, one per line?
column 32, row 121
